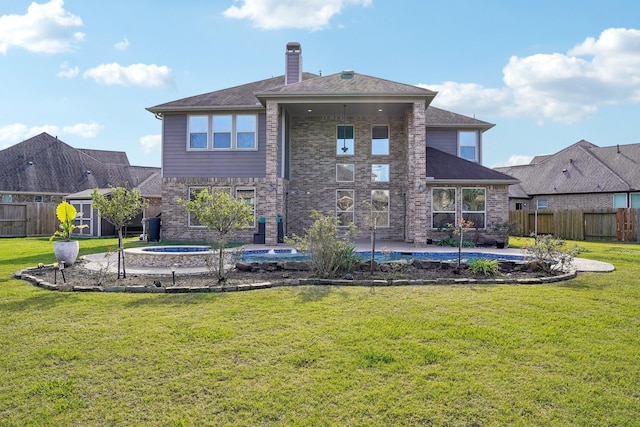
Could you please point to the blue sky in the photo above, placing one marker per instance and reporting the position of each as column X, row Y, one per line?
column 547, row 73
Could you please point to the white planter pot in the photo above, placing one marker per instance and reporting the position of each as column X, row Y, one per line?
column 66, row 251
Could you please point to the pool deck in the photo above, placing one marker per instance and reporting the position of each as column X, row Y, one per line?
column 99, row 261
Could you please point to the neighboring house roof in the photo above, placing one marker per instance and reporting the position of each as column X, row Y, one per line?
column 438, row 118
column 45, row 165
column 580, row 168
column 447, row 168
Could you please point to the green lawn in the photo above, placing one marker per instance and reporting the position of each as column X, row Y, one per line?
column 557, row 354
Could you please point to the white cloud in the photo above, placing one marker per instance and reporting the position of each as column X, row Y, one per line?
column 301, row 14
column 133, row 75
column 150, row 143
column 519, row 159
column 67, row 72
column 559, row 87
column 46, row 28
column 123, row 45
column 17, row 132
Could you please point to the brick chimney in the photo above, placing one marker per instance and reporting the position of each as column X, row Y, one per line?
column 293, row 66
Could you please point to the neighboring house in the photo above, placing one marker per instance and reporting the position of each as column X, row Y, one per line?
column 581, row 176
column 45, row 169
column 296, row 143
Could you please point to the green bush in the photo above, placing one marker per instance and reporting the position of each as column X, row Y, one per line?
column 487, row 267
column 329, row 254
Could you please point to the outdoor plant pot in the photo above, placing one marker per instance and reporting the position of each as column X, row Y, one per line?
column 66, row 251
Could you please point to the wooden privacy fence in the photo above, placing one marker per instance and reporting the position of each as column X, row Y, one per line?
column 27, row 219
column 579, row 224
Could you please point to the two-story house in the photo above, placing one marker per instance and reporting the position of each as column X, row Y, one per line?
column 300, row 142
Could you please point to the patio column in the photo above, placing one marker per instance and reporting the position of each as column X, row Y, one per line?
column 417, row 175
column 273, row 191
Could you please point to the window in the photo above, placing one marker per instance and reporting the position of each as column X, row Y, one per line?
column 249, row 197
column 620, row 200
column 380, row 207
column 246, row 131
column 380, row 173
column 635, row 200
column 474, row 206
column 7, row 198
column 223, row 189
column 519, row 206
column 444, row 207
column 541, row 204
column 380, row 140
column 345, row 172
column 198, row 131
column 344, row 207
column 468, row 145
column 222, row 131
column 344, row 140
column 37, row 199
column 193, row 193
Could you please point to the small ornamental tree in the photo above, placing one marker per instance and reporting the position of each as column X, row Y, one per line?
column 459, row 229
column 219, row 212
column 329, row 254
column 119, row 208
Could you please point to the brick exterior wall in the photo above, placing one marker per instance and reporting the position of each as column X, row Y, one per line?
column 568, row 201
column 313, row 171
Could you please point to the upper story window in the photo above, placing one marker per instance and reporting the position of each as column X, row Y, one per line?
column 380, row 140
column 198, row 131
column 345, row 140
column 541, row 204
column 620, row 200
column 345, row 172
column 468, row 145
column 380, row 172
column 223, row 132
column 7, row 198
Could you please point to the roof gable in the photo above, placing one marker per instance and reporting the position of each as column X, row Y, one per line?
column 439, row 118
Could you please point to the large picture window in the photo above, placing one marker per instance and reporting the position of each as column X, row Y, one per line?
column 443, row 210
column 380, row 207
column 344, row 207
column 345, row 141
column 474, row 206
column 193, row 193
column 223, row 132
column 248, row 195
column 380, row 140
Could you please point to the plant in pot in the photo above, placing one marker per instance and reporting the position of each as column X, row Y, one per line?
column 502, row 231
column 65, row 249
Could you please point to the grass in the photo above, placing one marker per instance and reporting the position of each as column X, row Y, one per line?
column 559, row 354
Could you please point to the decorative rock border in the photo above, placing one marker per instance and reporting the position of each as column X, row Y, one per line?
column 37, row 281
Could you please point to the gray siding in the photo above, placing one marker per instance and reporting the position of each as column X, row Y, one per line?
column 443, row 140
column 177, row 162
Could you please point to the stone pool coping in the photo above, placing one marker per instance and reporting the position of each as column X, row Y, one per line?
column 63, row 287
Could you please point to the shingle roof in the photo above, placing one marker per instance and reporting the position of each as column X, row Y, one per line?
column 44, row 164
column 437, row 117
column 242, row 96
column 581, row 168
column 356, row 84
column 446, row 167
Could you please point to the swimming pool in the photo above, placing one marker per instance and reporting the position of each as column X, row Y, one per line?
column 275, row 255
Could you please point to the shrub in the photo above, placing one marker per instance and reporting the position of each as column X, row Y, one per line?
column 487, row 267
column 329, row 254
column 552, row 253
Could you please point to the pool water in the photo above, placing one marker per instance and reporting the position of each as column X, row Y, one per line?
column 292, row 255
